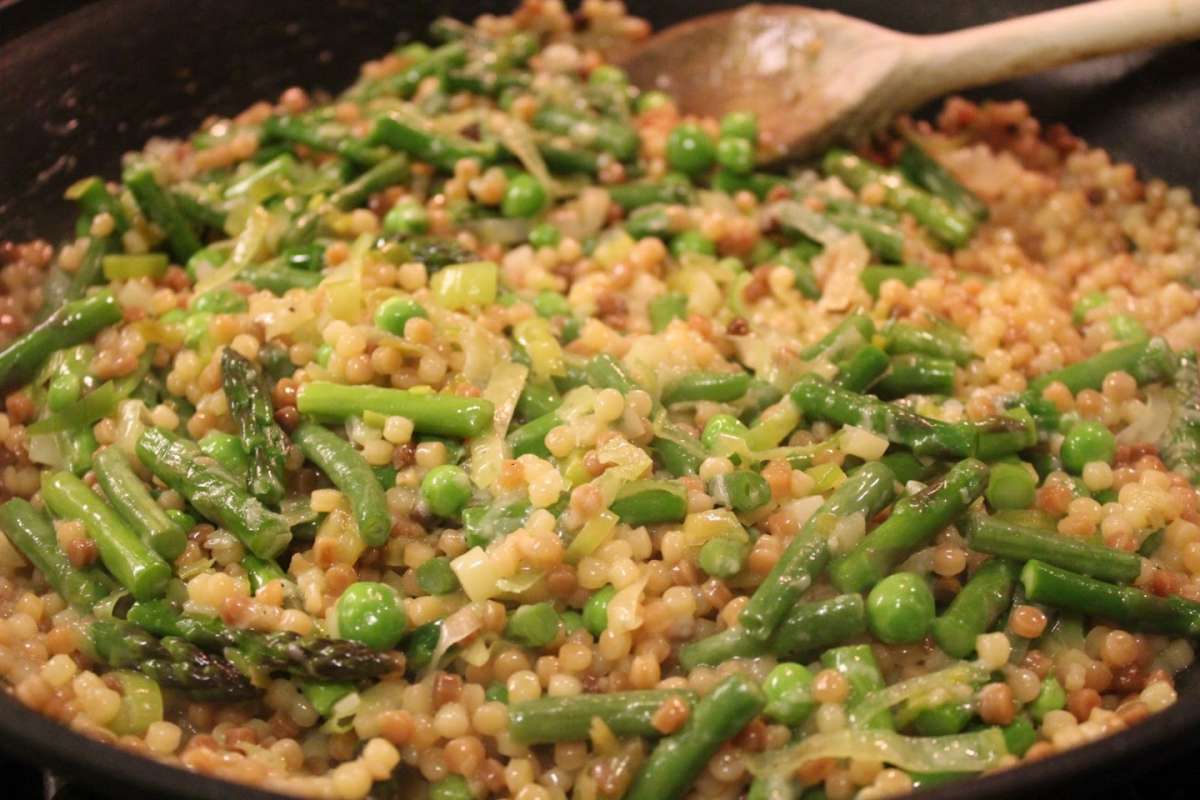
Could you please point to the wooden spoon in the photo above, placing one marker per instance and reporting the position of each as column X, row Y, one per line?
column 814, row 77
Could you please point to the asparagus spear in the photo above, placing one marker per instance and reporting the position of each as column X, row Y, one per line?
column 920, row 168
column 138, row 568
column 677, row 760
column 32, row 534
column 316, row 659
column 567, row 719
column 818, row 399
column 73, row 323
column 916, row 373
column 862, row 369
column 1132, row 608
column 1022, row 543
column 873, row 277
column 941, row 340
column 865, row 492
column 650, row 501
column 847, row 336
column 713, row 387
column 388, row 172
column 1148, row 361
column 949, row 226
column 807, row 629
column 132, row 500
column 351, row 473
column 213, row 493
column 976, row 607
column 1180, row 443
column 857, row 664
column 160, row 208
column 263, row 440
column 437, row 414
column 914, row 520
column 171, row 662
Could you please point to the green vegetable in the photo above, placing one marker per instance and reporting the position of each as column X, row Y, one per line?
column 437, row 414
column 394, row 313
column 351, row 473
column 743, row 491
column 524, row 197
column 736, row 154
column 533, row 626
column 595, row 610
column 436, row 577
column 1024, row 543
column 788, row 688
column 1086, row 442
column 264, row 441
column 976, row 607
column 130, row 560
column 857, row 665
column 689, row 149
column 566, row 719
column 371, row 613
column 723, row 557
column 650, row 501
column 132, row 500
column 678, row 759
column 1010, row 486
column 446, row 489
column 34, row 536
column 900, row 608
column 406, row 218
column 72, row 324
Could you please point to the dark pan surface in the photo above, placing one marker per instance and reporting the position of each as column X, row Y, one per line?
column 83, row 82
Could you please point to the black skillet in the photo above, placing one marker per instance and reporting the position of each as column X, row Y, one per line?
column 82, row 82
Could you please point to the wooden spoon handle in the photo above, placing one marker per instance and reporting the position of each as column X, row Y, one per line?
column 1013, row 48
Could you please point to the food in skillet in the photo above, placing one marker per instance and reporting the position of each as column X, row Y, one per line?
column 495, row 427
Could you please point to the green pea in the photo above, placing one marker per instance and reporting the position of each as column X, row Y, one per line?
column 689, row 149
column 740, row 125
column 451, row 787
column 549, row 303
column 648, row 101
column 900, row 608
column 204, row 259
column 736, row 154
column 595, row 610
column 720, row 425
column 533, row 625
column 436, row 577
column 421, row 645
column 692, row 241
column 608, row 75
column 723, row 557
column 1085, row 304
column 1010, row 486
column 371, row 613
column 1051, row 697
column 496, row 693
column 446, row 489
column 324, row 352
column 395, row 312
column 571, row 621
column 406, row 218
column 788, row 688
column 1086, row 442
column 524, row 197
column 545, row 235
column 764, row 251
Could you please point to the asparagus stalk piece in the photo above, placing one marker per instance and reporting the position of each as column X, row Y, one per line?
column 976, row 607
column 914, row 521
column 941, row 340
column 1180, row 444
column 1022, row 543
column 160, row 208
column 437, row 414
column 263, row 440
column 213, row 493
column 1132, row 608
column 865, row 492
column 32, row 534
column 351, row 473
column 920, row 168
column 713, row 387
column 74, row 323
column 807, row 629
column 171, row 662
column 1147, row 361
column 317, row 659
column 948, row 225
column 857, row 664
column 131, row 561
column 678, row 759
column 132, row 500
column 819, row 399
column 916, row 373
column 567, row 719
column 862, row 369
